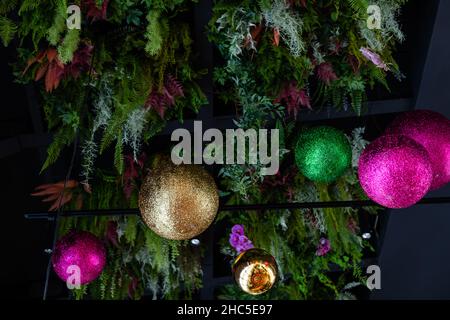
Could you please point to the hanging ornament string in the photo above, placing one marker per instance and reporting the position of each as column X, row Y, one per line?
column 59, row 212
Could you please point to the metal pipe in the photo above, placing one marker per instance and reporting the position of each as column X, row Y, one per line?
column 240, row 207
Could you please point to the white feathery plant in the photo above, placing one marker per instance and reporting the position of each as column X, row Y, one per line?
column 358, row 144
column 237, row 28
column 289, row 24
column 390, row 11
column 133, row 129
column 309, row 193
column 103, row 115
column 390, row 28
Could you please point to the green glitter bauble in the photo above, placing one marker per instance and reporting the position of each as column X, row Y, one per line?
column 323, row 154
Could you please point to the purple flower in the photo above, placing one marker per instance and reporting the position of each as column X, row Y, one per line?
column 247, row 245
column 243, row 244
column 234, row 239
column 238, row 240
column 323, row 248
column 375, row 58
column 238, row 229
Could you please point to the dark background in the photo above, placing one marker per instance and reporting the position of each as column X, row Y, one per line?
column 414, row 248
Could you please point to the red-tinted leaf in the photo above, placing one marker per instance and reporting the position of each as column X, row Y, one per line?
column 79, row 202
column 39, row 58
column 325, row 73
column 53, row 192
column 87, row 187
column 354, row 63
column 104, row 8
column 133, row 170
column 61, row 202
column 160, row 101
column 276, row 37
column 256, row 32
column 47, row 191
column 93, row 12
column 53, row 77
column 41, row 72
column 52, row 197
column 51, row 54
column 111, row 233
column 81, row 61
column 132, row 287
column 293, row 98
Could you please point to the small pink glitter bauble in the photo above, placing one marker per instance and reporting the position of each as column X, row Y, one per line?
column 432, row 131
column 395, row 171
column 82, row 249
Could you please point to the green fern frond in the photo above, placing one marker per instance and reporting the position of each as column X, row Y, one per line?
column 103, row 283
column 358, row 6
column 80, row 293
column 118, row 156
column 157, row 30
column 61, row 139
column 174, row 250
column 7, row 6
column 131, row 229
column 379, row 75
column 336, row 97
column 109, row 134
column 7, row 30
column 59, row 23
column 29, row 5
column 357, row 97
column 69, row 45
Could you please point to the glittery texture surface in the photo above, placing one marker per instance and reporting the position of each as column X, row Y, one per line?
column 432, row 131
column 82, row 249
column 255, row 271
column 178, row 201
column 395, row 171
column 323, row 154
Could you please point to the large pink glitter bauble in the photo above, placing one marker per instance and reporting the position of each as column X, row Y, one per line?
column 82, row 249
column 432, row 131
column 395, row 171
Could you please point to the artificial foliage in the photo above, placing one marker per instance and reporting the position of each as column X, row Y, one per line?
column 322, row 52
column 116, row 81
column 111, row 87
column 282, row 57
column 138, row 260
column 295, row 237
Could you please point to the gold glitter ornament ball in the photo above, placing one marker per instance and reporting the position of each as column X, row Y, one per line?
column 255, row 271
column 178, row 202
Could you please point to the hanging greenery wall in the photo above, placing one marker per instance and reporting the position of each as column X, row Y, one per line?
column 112, row 86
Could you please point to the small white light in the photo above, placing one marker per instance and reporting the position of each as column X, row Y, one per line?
column 366, row 235
column 195, row 242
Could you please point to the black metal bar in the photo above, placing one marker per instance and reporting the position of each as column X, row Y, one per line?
column 241, row 207
column 54, row 234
